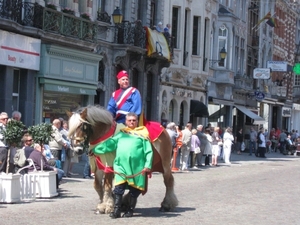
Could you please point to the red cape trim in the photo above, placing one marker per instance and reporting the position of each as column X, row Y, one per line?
column 107, row 135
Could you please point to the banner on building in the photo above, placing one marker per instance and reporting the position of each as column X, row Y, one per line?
column 19, row 51
column 157, row 44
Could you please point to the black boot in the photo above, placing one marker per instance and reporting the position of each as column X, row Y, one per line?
column 117, row 209
column 129, row 212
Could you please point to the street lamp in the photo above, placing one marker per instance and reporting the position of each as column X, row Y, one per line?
column 223, row 55
column 117, row 16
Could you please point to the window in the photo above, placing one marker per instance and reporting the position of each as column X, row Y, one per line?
column 101, row 5
column 16, row 90
column 171, row 111
column 206, row 40
column 242, row 55
column 123, row 8
column 63, row 3
column 175, row 22
column 222, row 43
column 152, row 13
column 297, row 80
column 196, row 31
column 236, row 53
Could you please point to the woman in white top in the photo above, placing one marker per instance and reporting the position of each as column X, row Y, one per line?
column 227, row 143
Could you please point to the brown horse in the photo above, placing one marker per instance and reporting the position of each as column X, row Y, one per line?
column 89, row 124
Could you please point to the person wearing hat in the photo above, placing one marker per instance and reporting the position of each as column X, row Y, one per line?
column 124, row 100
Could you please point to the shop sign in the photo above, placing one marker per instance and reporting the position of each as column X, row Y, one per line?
column 19, row 51
column 261, row 73
column 286, row 112
column 296, row 106
column 69, row 89
column 279, row 66
column 259, row 95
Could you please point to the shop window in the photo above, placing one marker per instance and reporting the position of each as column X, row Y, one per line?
column 56, row 104
column 16, row 90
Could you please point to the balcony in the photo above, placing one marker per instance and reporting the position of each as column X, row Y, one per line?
column 130, row 33
column 49, row 20
column 243, row 82
column 224, row 77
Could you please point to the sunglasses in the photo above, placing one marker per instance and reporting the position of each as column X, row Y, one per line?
column 131, row 120
column 29, row 140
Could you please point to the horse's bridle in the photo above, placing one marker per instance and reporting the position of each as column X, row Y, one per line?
column 86, row 129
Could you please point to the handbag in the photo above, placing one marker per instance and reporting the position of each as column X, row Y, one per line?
column 243, row 146
column 197, row 150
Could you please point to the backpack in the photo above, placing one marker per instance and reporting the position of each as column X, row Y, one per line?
column 259, row 141
column 20, row 158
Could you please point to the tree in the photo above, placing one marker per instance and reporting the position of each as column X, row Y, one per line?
column 41, row 133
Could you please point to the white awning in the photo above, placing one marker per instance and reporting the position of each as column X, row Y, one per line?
column 257, row 119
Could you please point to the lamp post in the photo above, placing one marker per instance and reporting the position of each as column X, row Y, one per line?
column 117, row 16
column 223, row 55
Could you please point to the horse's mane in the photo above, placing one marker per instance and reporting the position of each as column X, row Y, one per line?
column 95, row 115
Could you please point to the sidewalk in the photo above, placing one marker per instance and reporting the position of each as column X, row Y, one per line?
column 245, row 158
column 242, row 159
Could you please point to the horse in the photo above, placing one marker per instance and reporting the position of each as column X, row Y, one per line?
column 92, row 123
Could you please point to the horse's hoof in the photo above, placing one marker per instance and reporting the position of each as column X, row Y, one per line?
column 97, row 212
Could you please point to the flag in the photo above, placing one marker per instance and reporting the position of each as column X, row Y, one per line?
column 272, row 22
column 266, row 17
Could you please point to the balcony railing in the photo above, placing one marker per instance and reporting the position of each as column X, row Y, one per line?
column 103, row 17
column 35, row 15
column 131, row 33
column 243, row 82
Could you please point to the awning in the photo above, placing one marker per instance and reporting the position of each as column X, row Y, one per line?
column 257, row 119
column 216, row 115
column 68, row 87
column 198, row 109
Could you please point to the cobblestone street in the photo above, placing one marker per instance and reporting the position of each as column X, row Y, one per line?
column 249, row 191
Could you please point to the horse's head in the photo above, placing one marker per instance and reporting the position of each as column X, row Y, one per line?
column 79, row 131
column 86, row 125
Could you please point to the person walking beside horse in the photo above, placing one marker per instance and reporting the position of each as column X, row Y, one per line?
column 133, row 161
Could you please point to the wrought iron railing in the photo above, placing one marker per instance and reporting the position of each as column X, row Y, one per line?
column 103, row 17
column 35, row 15
column 131, row 33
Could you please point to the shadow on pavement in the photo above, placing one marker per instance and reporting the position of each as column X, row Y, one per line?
column 154, row 212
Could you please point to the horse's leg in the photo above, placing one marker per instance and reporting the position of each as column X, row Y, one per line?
column 163, row 146
column 99, row 189
column 108, row 195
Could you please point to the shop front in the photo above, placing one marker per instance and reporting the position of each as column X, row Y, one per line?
column 67, row 80
column 19, row 63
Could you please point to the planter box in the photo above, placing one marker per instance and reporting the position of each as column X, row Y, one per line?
column 45, row 184
column 10, row 188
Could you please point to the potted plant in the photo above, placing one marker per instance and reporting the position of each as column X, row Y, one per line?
column 46, row 180
column 41, row 133
column 13, row 134
column 68, row 11
column 10, row 183
column 86, row 16
column 51, row 5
